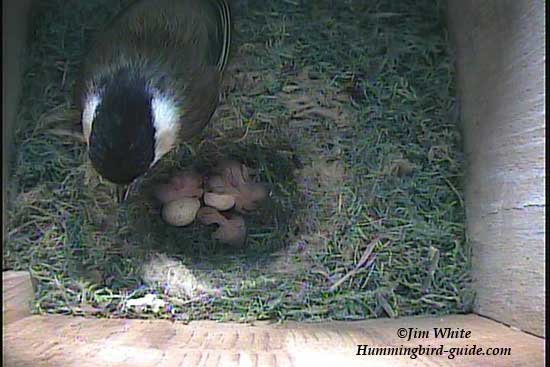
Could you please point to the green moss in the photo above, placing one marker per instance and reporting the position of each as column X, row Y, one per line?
column 386, row 172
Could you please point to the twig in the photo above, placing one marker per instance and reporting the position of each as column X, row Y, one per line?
column 71, row 134
column 364, row 262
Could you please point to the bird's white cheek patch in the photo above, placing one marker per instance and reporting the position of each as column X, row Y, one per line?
column 165, row 121
column 90, row 107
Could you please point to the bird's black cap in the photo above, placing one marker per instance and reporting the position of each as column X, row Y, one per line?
column 122, row 142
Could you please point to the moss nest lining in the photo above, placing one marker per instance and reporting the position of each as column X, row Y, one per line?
column 346, row 110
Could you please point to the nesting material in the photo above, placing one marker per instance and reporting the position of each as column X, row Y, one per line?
column 331, row 189
column 149, row 300
column 173, row 277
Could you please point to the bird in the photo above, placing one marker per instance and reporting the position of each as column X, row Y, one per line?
column 150, row 80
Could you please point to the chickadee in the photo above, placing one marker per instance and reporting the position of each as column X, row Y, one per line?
column 150, row 80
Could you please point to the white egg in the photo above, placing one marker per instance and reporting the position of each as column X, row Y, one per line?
column 219, row 201
column 181, row 212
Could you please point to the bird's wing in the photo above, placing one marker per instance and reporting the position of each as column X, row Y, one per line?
column 224, row 33
column 180, row 45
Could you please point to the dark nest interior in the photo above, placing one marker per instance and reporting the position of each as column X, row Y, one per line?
column 346, row 109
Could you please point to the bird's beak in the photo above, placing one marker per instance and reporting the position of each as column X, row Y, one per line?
column 122, row 192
